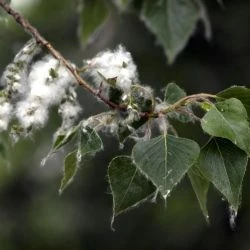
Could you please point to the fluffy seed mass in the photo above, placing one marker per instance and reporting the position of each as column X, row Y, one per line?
column 116, row 67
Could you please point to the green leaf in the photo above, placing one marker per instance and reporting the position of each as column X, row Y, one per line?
column 240, row 92
column 224, row 165
column 172, row 21
column 129, row 187
column 165, row 160
column 93, row 14
column 174, row 93
column 200, row 186
column 63, row 138
column 69, row 171
column 228, row 119
column 89, row 142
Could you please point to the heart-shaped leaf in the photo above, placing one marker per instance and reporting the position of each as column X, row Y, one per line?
column 129, row 187
column 224, row 164
column 89, row 142
column 240, row 92
column 228, row 119
column 172, row 21
column 165, row 160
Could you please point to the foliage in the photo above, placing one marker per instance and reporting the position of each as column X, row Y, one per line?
column 35, row 82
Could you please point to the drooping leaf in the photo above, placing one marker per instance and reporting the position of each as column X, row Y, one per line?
column 89, row 142
column 172, row 21
column 69, row 170
column 224, row 164
column 174, row 93
column 200, row 186
column 165, row 160
column 62, row 139
column 93, row 14
column 228, row 119
column 129, row 187
column 240, row 92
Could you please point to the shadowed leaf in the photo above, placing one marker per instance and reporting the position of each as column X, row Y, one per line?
column 165, row 160
column 172, row 21
column 129, row 187
column 224, row 164
column 200, row 186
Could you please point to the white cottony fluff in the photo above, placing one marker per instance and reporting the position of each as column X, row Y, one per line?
column 45, row 90
column 50, row 91
column 5, row 115
column 117, row 64
column 69, row 112
column 31, row 113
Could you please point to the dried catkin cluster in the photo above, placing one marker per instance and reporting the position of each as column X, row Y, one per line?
column 31, row 88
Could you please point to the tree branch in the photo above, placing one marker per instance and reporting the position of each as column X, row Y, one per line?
column 76, row 73
column 41, row 40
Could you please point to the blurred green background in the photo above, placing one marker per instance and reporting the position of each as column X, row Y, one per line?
column 34, row 216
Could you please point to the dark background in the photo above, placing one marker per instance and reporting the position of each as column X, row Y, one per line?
column 34, row 216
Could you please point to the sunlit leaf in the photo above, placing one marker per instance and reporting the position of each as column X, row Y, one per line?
column 93, row 14
column 165, row 160
column 200, row 186
column 172, row 21
column 228, row 119
column 129, row 187
column 224, row 165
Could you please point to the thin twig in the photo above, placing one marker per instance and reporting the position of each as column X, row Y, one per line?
column 41, row 40
column 188, row 99
column 76, row 72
